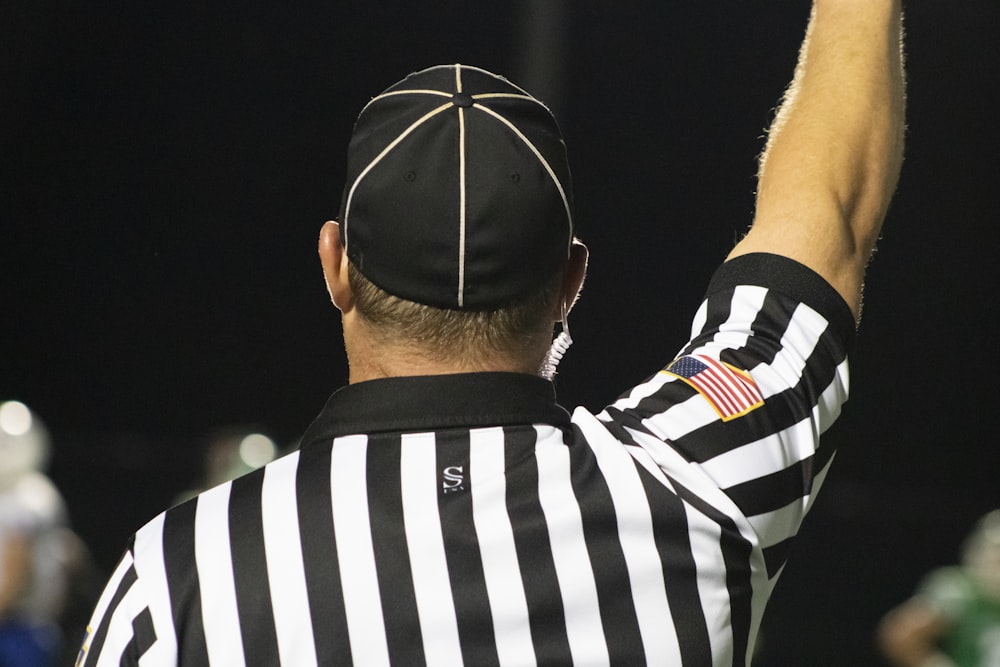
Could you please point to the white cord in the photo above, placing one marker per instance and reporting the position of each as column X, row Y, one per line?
column 558, row 349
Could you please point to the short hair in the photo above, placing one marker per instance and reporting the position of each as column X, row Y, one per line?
column 471, row 336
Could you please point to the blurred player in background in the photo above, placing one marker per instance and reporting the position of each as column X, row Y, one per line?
column 35, row 544
column 953, row 620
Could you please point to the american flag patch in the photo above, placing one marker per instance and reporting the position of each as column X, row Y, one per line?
column 731, row 392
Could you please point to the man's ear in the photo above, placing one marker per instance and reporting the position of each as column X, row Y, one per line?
column 576, row 271
column 333, row 257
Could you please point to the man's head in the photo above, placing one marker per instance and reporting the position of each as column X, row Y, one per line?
column 455, row 236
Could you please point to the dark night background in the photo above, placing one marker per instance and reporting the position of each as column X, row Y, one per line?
column 166, row 169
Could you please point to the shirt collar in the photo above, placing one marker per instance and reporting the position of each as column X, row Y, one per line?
column 435, row 402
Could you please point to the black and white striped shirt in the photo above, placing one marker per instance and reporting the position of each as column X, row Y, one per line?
column 469, row 519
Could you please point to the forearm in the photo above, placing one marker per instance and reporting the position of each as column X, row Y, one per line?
column 835, row 148
column 841, row 123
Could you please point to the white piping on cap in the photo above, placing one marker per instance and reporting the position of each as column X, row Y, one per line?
column 541, row 158
column 409, row 91
column 461, row 190
column 462, row 157
column 378, row 158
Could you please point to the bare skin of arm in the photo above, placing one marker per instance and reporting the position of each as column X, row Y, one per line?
column 835, row 148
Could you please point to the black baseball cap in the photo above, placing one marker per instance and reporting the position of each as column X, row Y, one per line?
column 458, row 190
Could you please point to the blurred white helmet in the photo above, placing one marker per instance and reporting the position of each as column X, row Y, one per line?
column 24, row 443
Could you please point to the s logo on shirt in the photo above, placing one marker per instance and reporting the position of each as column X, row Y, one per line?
column 453, row 479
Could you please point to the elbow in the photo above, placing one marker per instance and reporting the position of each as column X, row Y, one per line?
column 864, row 202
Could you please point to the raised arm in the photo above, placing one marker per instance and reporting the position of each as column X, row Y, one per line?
column 836, row 145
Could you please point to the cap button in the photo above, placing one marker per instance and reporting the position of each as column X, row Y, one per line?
column 462, row 100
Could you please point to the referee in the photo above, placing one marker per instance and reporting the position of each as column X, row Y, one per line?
column 443, row 509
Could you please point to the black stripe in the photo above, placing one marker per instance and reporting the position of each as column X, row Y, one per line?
column 797, row 281
column 776, row 555
column 319, row 555
column 680, row 573
column 769, row 326
column 736, row 555
column 618, row 420
column 772, row 320
column 143, row 636
column 600, row 530
column 783, row 409
column 101, row 632
column 253, row 591
column 392, row 558
column 828, row 446
column 776, row 490
column 789, row 284
column 718, row 306
column 182, row 582
column 465, row 563
column 534, row 554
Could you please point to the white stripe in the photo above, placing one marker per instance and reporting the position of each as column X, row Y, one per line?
column 710, row 569
column 675, row 422
column 745, row 305
column 569, row 551
column 833, row 398
column 797, row 344
column 110, row 590
column 779, row 525
column 425, row 546
column 635, row 534
column 365, row 625
column 640, row 392
column 681, row 418
column 699, row 320
column 120, row 631
column 710, row 566
column 150, row 568
column 212, row 556
column 102, row 608
column 770, row 454
column 285, row 568
column 689, row 475
column 504, row 584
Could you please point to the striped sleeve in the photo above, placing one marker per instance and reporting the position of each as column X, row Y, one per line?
column 132, row 618
column 119, row 585
column 745, row 402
